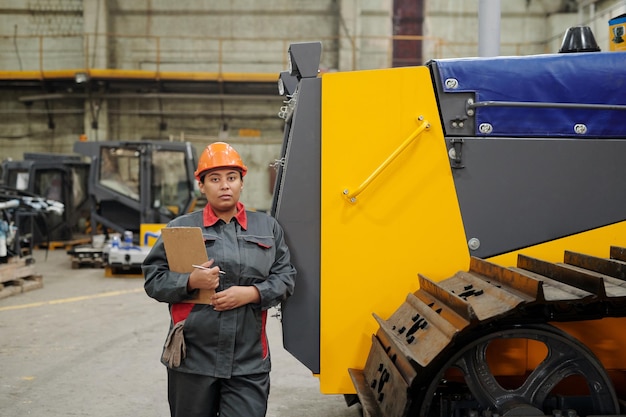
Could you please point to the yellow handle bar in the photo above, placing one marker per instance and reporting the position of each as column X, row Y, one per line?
column 351, row 196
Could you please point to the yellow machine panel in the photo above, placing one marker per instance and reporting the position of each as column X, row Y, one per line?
column 405, row 208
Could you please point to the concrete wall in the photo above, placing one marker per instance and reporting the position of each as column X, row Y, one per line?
column 524, row 27
column 252, row 35
column 527, row 26
column 198, row 35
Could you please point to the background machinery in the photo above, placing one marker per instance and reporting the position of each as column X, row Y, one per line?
column 52, row 177
column 121, row 187
column 134, row 185
column 459, row 232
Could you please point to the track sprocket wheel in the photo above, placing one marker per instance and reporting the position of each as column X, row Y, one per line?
column 565, row 357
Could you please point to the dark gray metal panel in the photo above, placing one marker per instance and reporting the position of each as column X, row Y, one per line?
column 297, row 209
column 452, row 107
column 305, row 58
column 515, row 193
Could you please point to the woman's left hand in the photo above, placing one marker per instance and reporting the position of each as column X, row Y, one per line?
column 234, row 297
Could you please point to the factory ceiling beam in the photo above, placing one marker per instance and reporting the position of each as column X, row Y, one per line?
column 152, row 113
column 175, row 96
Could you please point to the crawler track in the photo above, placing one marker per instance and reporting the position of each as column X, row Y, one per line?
column 449, row 324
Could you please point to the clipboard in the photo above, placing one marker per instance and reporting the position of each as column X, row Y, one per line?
column 184, row 246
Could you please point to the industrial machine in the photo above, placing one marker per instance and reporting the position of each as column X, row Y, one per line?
column 133, row 184
column 21, row 213
column 459, row 231
column 123, row 186
column 53, row 177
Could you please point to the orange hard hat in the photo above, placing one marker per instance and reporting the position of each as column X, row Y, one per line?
column 219, row 155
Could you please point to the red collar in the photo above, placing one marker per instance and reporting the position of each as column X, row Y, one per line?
column 210, row 218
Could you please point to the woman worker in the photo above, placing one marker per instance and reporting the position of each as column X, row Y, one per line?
column 217, row 355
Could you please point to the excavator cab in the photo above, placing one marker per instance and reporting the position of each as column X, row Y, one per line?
column 134, row 183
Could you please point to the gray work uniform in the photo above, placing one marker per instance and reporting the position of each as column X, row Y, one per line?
column 230, row 343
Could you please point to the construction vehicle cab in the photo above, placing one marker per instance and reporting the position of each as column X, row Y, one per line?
column 133, row 183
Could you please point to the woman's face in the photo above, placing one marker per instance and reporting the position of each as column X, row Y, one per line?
column 222, row 188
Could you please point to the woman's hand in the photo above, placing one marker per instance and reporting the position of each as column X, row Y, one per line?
column 234, row 297
column 204, row 279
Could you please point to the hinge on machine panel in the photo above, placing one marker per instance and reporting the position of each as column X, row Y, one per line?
column 289, row 105
column 278, row 163
column 455, row 153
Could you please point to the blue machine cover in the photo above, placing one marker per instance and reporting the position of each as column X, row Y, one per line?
column 589, row 78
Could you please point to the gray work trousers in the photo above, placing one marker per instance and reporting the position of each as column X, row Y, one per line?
column 192, row 395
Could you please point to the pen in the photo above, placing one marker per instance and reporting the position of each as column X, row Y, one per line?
column 204, row 267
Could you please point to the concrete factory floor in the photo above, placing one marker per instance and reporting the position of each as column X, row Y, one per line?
column 88, row 345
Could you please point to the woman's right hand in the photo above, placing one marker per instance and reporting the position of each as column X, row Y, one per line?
column 204, row 279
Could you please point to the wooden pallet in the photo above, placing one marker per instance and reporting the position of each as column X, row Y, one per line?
column 118, row 272
column 86, row 256
column 87, row 262
column 64, row 244
column 17, row 277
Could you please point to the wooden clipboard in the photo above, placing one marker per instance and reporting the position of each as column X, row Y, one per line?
column 184, row 247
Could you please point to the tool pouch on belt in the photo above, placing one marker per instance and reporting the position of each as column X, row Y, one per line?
column 175, row 349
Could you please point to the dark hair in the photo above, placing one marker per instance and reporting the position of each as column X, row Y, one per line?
column 205, row 173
